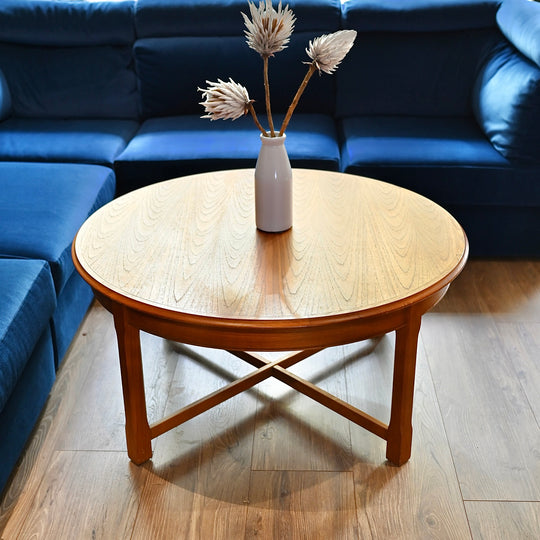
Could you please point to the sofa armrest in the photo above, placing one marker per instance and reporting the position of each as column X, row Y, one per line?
column 519, row 22
column 506, row 103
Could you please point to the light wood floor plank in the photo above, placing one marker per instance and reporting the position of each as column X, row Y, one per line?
column 492, row 520
column 89, row 342
column 491, row 428
column 522, row 346
column 506, row 290
column 296, row 433
column 74, row 502
column 198, row 480
column 97, row 423
column 421, row 499
column 493, row 433
column 292, row 505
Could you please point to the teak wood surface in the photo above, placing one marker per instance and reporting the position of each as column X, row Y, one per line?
column 183, row 260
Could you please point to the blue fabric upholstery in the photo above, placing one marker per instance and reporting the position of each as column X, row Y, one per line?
column 446, row 159
column 42, row 207
column 418, row 15
column 21, row 411
column 72, row 305
column 5, row 98
column 162, row 64
column 506, row 102
column 168, row 147
column 158, row 18
column 519, row 21
column 437, row 83
column 417, row 142
column 517, row 227
column 72, row 140
column 28, row 302
column 70, row 82
column 67, row 22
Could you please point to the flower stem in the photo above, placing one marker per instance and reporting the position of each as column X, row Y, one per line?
column 299, row 92
column 267, row 96
column 256, row 120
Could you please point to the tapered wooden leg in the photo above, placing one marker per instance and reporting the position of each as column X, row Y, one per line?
column 399, row 441
column 138, row 437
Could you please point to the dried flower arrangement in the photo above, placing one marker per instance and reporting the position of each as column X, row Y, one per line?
column 268, row 32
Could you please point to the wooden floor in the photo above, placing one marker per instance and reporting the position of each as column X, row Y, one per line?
column 272, row 464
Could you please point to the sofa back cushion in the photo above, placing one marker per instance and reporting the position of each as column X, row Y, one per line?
column 506, row 101
column 161, row 18
column 419, row 15
column 413, row 57
column 5, row 98
column 69, row 59
column 181, row 45
column 171, row 69
column 67, row 22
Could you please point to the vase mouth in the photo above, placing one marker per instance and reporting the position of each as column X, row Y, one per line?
column 273, row 140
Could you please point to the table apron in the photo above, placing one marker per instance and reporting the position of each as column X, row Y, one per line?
column 243, row 336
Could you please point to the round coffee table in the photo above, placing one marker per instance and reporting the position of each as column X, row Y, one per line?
column 183, row 260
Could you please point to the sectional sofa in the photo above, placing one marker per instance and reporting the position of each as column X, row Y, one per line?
column 99, row 98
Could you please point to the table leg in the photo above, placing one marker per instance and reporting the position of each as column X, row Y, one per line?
column 399, row 441
column 139, row 445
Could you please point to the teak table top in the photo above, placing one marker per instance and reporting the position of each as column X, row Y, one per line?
column 188, row 248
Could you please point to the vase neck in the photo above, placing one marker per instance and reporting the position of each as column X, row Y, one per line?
column 273, row 141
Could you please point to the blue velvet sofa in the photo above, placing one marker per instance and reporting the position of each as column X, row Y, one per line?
column 99, row 98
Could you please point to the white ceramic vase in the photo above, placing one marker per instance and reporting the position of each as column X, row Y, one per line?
column 273, row 186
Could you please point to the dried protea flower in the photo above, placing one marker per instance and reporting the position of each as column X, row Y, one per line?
column 227, row 101
column 224, row 100
column 326, row 52
column 329, row 50
column 268, row 31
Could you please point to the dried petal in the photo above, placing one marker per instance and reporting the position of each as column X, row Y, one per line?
column 268, row 31
column 224, row 100
column 329, row 50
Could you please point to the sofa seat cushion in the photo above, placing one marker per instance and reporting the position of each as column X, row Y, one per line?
column 28, row 302
column 388, row 140
column 175, row 146
column 42, row 207
column 75, row 140
column 446, row 159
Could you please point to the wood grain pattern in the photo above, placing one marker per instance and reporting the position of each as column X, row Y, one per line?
column 482, row 401
column 288, row 421
column 198, row 482
column 476, row 370
column 421, row 499
column 501, row 520
column 60, row 508
column 288, row 504
column 522, row 345
column 190, row 245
